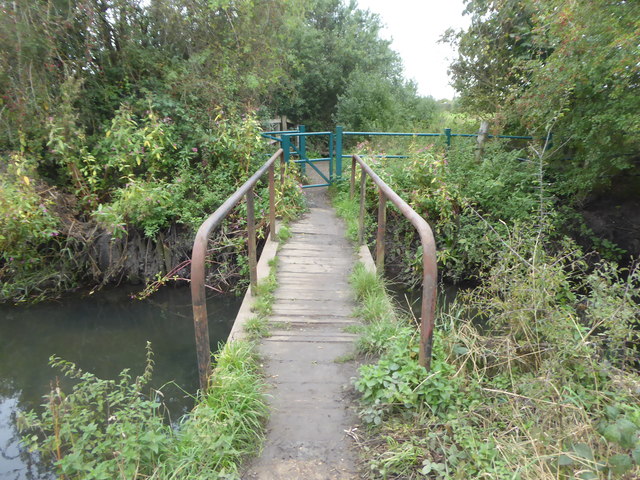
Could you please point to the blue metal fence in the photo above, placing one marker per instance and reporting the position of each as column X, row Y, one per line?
column 285, row 137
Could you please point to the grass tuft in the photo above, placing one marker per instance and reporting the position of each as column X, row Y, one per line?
column 227, row 424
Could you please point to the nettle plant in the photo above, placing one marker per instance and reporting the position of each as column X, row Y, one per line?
column 103, row 429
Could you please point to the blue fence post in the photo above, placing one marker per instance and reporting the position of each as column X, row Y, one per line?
column 302, row 148
column 286, row 147
column 331, row 157
column 339, row 152
column 447, row 134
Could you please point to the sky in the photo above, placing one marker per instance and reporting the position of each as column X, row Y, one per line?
column 415, row 26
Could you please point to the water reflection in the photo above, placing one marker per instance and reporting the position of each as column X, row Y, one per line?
column 103, row 334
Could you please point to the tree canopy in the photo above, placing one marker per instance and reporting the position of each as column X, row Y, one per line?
column 569, row 67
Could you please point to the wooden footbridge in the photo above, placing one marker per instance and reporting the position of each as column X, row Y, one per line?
column 311, row 413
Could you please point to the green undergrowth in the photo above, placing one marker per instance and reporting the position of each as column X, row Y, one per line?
column 376, row 309
column 470, row 205
column 284, row 233
column 534, row 375
column 227, row 425
column 347, row 208
column 257, row 326
column 112, row 429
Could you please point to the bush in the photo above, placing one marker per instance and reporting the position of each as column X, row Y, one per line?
column 104, row 429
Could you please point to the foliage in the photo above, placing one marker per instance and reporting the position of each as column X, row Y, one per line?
column 469, row 204
column 30, row 235
column 145, row 113
column 569, row 66
column 104, row 429
column 26, row 220
column 228, row 423
column 258, row 326
column 345, row 73
column 107, row 429
column 377, row 311
column 529, row 378
column 371, row 102
column 346, row 208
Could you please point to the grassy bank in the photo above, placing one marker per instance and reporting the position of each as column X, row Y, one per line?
column 533, row 394
column 535, row 372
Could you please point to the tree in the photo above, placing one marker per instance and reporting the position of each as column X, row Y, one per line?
column 571, row 65
column 333, row 41
column 376, row 103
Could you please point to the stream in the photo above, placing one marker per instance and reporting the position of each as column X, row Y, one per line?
column 103, row 333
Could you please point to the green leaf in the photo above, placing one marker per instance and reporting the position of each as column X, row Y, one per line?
column 588, row 475
column 460, row 350
column 612, row 434
column 612, row 412
column 564, row 460
column 583, row 451
column 628, row 432
column 620, row 464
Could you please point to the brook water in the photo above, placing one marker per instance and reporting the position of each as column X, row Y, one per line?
column 103, row 334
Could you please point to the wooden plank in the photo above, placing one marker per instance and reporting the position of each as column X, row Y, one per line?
column 322, row 320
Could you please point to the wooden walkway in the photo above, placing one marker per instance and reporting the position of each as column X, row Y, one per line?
column 305, row 355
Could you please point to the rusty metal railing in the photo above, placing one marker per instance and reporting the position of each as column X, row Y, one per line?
column 429, row 264
column 198, row 297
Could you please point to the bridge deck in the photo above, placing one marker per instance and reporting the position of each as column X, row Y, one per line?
column 304, row 356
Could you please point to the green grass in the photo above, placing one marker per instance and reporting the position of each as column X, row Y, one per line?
column 348, row 209
column 375, row 305
column 226, row 426
column 257, row 327
column 347, row 357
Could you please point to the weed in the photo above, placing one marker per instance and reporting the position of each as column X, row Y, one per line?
column 528, row 394
column 107, row 429
column 347, row 357
column 353, row 329
column 227, row 424
column 103, row 429
column 284, row 233
column 257, row 327
column 347, row 209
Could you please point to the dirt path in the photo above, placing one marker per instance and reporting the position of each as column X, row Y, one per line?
column 304, row 357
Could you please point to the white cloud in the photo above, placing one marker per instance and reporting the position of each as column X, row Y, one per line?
column 415, row 26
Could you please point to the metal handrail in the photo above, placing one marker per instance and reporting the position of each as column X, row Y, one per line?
column 198, row 297
column 429, row 263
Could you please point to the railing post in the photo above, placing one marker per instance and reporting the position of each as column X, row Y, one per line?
column 331, row 157
column 339, row 152
column 200, row 323
column 251, row 233
column 447, row 134
column 363, row 186
column 199, row 254
column 352, row 184
column 382, row 225
column 272, row 202
column 286, row 147
column 282, row 166
column 428, row 306
column 302, row 147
